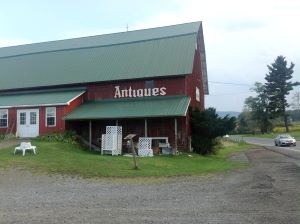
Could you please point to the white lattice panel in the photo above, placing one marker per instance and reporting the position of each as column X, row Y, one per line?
column 145, row 147
column 112, row 140
column 116, row 130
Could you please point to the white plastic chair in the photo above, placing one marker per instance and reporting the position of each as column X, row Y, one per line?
column 25, row 146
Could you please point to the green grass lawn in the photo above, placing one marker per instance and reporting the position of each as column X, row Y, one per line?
column 67, row 159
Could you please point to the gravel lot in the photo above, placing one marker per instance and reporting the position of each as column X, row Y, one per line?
column 266, row 192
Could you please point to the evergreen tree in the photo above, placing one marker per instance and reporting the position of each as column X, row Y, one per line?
column 278, row 87
column 206, row 127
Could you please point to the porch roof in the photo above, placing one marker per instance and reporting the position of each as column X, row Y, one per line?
column 164, row 106
column 39, row 98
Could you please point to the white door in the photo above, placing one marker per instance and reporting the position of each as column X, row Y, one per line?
column 28, row 123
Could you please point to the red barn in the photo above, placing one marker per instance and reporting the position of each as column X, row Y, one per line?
column 143, row 80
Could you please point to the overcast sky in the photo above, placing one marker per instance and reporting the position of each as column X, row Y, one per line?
column 241, row 37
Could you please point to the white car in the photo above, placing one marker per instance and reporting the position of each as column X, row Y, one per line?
column 285, row 140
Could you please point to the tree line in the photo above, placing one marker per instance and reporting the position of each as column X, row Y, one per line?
column 270, row 103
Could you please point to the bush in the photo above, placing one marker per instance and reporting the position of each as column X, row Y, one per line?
column 206, row 127
column 67, row 137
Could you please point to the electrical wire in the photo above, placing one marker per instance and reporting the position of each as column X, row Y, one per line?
column 230, row 83
column 229, row 94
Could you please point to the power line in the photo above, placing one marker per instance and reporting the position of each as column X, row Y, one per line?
column 231, row 83
column 228, row 94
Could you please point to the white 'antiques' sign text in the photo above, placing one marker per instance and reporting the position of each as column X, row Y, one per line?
column 123, row 93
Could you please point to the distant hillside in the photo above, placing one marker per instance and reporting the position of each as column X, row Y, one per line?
column 230, row 113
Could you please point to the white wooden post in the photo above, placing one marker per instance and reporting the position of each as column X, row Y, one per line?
column 175, row 127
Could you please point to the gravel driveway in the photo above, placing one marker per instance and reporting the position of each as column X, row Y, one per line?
column 266, row 192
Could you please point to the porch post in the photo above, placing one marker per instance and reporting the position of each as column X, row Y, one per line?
column 175, row 131
column 90, row 134
column 146, row 128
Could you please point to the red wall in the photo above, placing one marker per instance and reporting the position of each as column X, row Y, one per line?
column 61, row 111
column 193, row 81
column 11, row 123
column 174, row 86
column 182, row 85
column 75, row 103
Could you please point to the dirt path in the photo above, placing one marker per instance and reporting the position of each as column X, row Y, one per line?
column 266, row 192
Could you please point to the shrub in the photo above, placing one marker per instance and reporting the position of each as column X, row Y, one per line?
column 67, row 137
column 206, row 127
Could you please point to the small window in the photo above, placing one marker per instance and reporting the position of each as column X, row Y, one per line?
column 149, row 84
column 197, row 94
column 50, row 116
column 3, row 118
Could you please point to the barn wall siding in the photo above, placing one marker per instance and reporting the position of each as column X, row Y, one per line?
column 98, row 91
column 61, row 111
column 193, row 81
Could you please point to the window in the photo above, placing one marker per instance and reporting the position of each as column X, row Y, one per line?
column 197, row 94
column 3, row 118
column 32, row 118
column 149, row 84
column 50, row 116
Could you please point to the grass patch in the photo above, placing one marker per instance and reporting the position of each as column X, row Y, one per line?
column 66, row 159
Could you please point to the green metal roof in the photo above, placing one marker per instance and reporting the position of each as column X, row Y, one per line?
column 157, row 52
column 103, row 40
column 132, row 108
column 39, row 98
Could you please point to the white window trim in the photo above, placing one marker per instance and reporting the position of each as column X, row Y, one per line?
column 6, row 110
column 46, row 116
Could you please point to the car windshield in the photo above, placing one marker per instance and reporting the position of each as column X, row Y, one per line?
column 285, row 136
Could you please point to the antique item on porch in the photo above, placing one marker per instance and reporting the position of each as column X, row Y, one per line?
column 112, row 141
column 161, row 145
column 145, row 148
column 25, row 146
column 156, row 150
